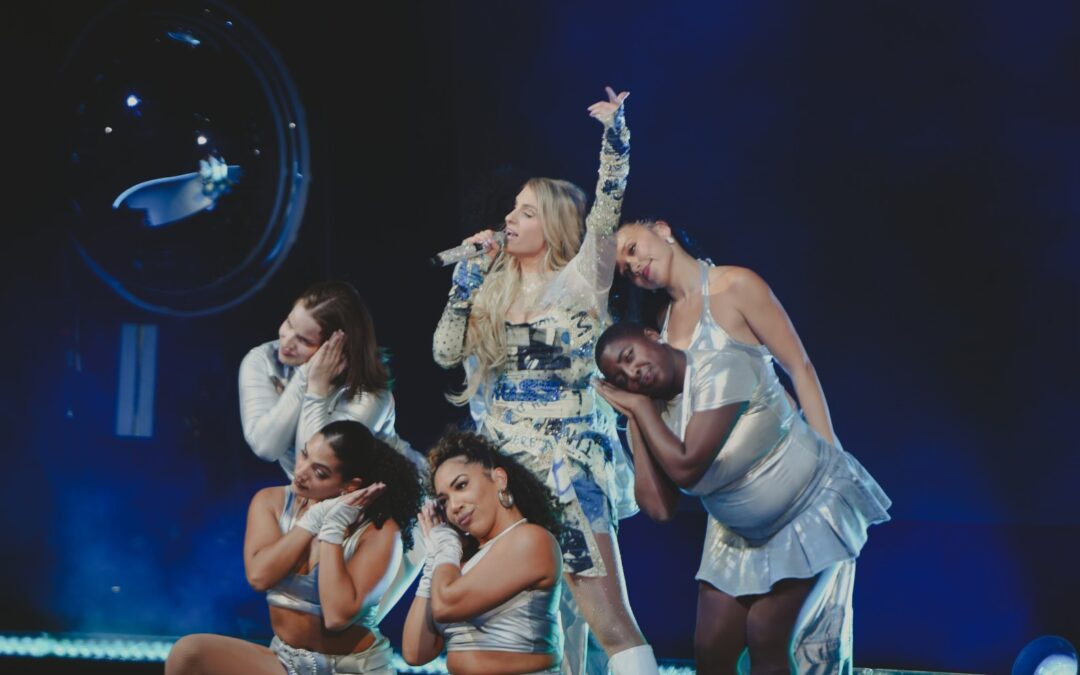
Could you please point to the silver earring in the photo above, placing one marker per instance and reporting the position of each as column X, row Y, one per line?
column 669, row 240
column 505, row 498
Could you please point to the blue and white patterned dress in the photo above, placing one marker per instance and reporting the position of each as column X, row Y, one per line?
column 541, row 406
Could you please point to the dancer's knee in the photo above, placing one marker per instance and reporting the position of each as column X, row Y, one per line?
column 185, row 657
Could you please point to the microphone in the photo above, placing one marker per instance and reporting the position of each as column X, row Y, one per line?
column 455, row 255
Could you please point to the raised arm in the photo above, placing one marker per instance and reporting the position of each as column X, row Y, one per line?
column 594, row 266
column 770, row 323
column 269, row 415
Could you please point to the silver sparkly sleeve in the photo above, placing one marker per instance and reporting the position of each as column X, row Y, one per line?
column 614, row 170
column 597, row 256
column 448, row 345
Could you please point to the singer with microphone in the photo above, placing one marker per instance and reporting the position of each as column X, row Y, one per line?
column 524, row 317
column 470, row 249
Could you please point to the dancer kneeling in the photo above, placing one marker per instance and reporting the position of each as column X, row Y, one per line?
column 490, row 587
column 325, row 549
column 790, row 504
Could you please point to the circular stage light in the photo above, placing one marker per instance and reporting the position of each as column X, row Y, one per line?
column 186, row 155
column 1048, row 655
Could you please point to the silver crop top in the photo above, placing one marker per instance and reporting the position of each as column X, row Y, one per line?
column 301, row 591
column 526, row 623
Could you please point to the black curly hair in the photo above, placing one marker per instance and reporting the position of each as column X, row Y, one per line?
column 361, row 454
column 532, row 497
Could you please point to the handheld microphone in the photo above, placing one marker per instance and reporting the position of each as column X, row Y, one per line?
column 455, row 255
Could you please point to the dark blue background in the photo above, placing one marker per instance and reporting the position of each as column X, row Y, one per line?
column 906, row 175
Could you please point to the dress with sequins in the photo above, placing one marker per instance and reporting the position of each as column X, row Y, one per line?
column 541, row 406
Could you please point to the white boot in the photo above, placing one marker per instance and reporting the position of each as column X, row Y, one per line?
column 634, row 661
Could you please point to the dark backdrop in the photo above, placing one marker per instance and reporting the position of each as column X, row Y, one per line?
column 905, row 175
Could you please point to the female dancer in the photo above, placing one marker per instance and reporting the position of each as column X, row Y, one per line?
column 719, row 308
column 531, row 321
column 788, row 505
column 326, row 550
column 498, row 613
column 324, row 366
column 731, row 308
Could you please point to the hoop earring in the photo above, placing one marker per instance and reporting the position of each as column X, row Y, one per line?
column 505, row 498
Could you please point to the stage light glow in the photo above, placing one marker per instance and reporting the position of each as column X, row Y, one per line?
column 181, row 36
column 156, row 649
column 1048, row 655
column 132, row 100
column 201, row 140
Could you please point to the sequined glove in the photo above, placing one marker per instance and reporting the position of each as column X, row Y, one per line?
column 337, row 522
column 468, row 276
column 313, row 518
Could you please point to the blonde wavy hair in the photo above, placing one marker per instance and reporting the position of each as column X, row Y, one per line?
column 562, row 213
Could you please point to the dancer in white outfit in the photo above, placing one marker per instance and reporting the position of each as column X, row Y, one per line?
column 729, row 307
column 491, row 584
column 788, row 506
column 324, row 366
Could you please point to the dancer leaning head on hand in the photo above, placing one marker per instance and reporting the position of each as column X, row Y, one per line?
column 788, row 510
column 325, row 549
column 326, row 365
column 490, row 587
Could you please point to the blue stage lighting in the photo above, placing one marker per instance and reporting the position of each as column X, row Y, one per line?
column 132, row 100
column 1048, row 655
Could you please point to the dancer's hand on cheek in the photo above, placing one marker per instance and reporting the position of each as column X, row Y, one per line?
column 326, row 364
column 346, row 511
column 443, row 545
column 363, row 496
column 312, row 519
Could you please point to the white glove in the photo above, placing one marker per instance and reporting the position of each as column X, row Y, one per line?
column 312, row 520
column 337, row 522
column 423, row 588
column 444, row 546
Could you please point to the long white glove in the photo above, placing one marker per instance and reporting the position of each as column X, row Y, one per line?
column 337, row 522
column 443, row 547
